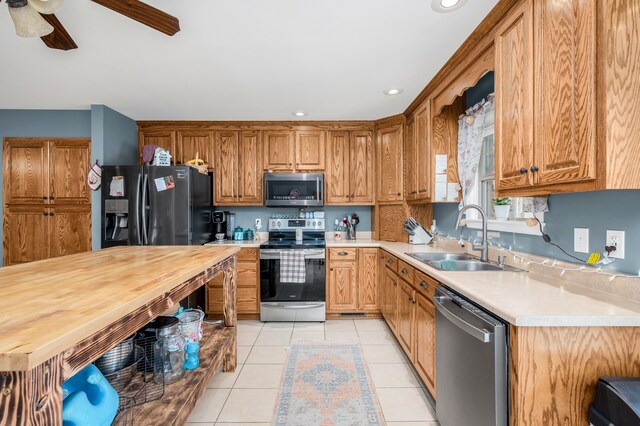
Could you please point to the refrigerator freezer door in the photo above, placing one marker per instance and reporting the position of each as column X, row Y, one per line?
column 168, row 206
column 121, row 202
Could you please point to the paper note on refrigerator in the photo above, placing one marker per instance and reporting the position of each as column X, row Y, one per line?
column 164, row 183
column 116, row 188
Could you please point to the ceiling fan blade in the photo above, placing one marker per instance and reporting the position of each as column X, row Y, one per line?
column 59, row 38
column 144, row 14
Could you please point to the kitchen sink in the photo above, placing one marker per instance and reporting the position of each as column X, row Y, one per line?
column 469, row 266
column 430, row 257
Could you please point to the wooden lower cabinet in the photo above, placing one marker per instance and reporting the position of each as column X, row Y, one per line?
column 248, row 287
column 352, row 284
column 424, row 351
column 405, row 317
column 390, row 299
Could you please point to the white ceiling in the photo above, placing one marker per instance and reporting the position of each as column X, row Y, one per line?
column 239, row 59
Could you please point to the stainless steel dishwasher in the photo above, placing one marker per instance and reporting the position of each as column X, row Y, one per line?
column 471, row 363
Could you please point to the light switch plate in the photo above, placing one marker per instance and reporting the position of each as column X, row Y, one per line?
column 258, row 224
column 581, row 240
column 616, row 238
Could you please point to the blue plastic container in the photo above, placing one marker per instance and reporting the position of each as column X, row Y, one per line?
column 88, row 399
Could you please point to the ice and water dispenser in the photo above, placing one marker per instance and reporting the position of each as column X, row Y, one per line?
column 116, row 220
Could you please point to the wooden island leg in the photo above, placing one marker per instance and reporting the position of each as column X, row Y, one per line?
column 32, row 397
column 230, row 313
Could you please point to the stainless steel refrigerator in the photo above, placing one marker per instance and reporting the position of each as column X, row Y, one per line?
column 155, row 205
column 158, row 206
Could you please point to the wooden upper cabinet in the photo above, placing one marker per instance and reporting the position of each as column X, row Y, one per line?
column 195, row 142
column 565, row 91
column 310, row 150
column 422, row 150
column 69, row 163
column 162, row 138
column 250, row 168
column 26, row 171
column 514, row 99
column 278, row 149
column 338, row 172
column 390, row 164
column 410, row 160
column 226, row 168
column 361, row 166
column 26, row 237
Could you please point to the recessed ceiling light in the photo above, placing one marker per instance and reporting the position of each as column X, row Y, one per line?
column 444, row 6
column 392, row 92
column 300, row 114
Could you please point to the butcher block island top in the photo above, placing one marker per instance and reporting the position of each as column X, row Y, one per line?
column 49, row 306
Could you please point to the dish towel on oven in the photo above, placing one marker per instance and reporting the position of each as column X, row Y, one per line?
column 292, row 267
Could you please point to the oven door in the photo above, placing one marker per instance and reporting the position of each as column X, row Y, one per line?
column 312, row 290
column 293, row 189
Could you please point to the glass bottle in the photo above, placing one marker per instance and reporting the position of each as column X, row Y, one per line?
column 168, row 355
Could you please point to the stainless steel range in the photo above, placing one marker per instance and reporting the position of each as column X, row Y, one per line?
column 292, row 271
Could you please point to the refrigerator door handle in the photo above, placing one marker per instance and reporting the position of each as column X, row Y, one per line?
column 143, row 210
column 139, row 211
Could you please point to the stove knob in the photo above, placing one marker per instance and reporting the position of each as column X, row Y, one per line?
column 308, row 223
column 315, row 223
column 279, row 224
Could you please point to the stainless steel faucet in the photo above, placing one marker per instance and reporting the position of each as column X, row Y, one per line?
column 483, row 247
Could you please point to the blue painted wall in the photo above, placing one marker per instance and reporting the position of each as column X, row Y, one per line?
column 105, row 127
column 42, row 123
column 598, row 211
column 246, row 216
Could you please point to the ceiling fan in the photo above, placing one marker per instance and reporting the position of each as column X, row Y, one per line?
column 35, row 18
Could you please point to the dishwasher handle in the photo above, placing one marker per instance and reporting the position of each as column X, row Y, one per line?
column 441, row 301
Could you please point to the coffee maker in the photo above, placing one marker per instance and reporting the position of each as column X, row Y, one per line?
column 220, row 225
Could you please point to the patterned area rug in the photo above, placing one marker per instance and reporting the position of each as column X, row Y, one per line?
column 327, row 384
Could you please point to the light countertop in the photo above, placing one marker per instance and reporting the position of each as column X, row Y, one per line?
column 520, row 298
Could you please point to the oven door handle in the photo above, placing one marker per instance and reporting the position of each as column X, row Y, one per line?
column 441, row 303
column 291, row 306
column 275, row 254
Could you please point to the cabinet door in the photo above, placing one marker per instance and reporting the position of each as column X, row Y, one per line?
column 25, row 234
column 422, row 139
column 425, row 347
column 250, row 168
column 410, row 160
column 368, row 280
column 390, row 168
column 69, row 163
column 390, row 298
column 514, row 100
column 310, row 150
column 361, row 165
column 165, row 139
column 565, row 80
column 343, row 287
column 338, row 170
column 69, row 230
column 192, row 143
column 226, row 169
column 278, row 150
column 26, row 171
column 405, row 324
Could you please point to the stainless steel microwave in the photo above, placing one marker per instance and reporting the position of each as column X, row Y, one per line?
column 293, row 189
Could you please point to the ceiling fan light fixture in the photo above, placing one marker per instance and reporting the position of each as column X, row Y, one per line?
column 27, row 20
column 46, row 6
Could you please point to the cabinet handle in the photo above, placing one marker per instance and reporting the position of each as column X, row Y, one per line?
column 52, row 198
column 424, row 284
column 410, row 298
column 534, row 169
column 342, row 253
column 524, row 171
column 52, row 214
column 395, row 284
column 390, row 261
column 44, row 197
column 399, row 193
column 413, row 301
column 291, row 164
column 404, row 271
column 331, row 269
column 414, row 192
column 45, row 213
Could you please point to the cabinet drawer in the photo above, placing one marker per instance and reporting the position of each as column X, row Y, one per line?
column 248, row 254
column 343, row 254
column 405, row 271
column 247, row 300
column 391, row 262
column 425, row 284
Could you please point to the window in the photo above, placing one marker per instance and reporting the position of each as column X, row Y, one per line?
column 484, row 192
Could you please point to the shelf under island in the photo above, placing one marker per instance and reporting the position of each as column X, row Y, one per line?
column 59, row 315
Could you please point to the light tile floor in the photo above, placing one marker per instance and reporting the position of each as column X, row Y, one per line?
column 248, row 395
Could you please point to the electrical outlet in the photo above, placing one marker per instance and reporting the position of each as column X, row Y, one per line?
column 616, row 239
column 258, row 224
column 581, row 240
